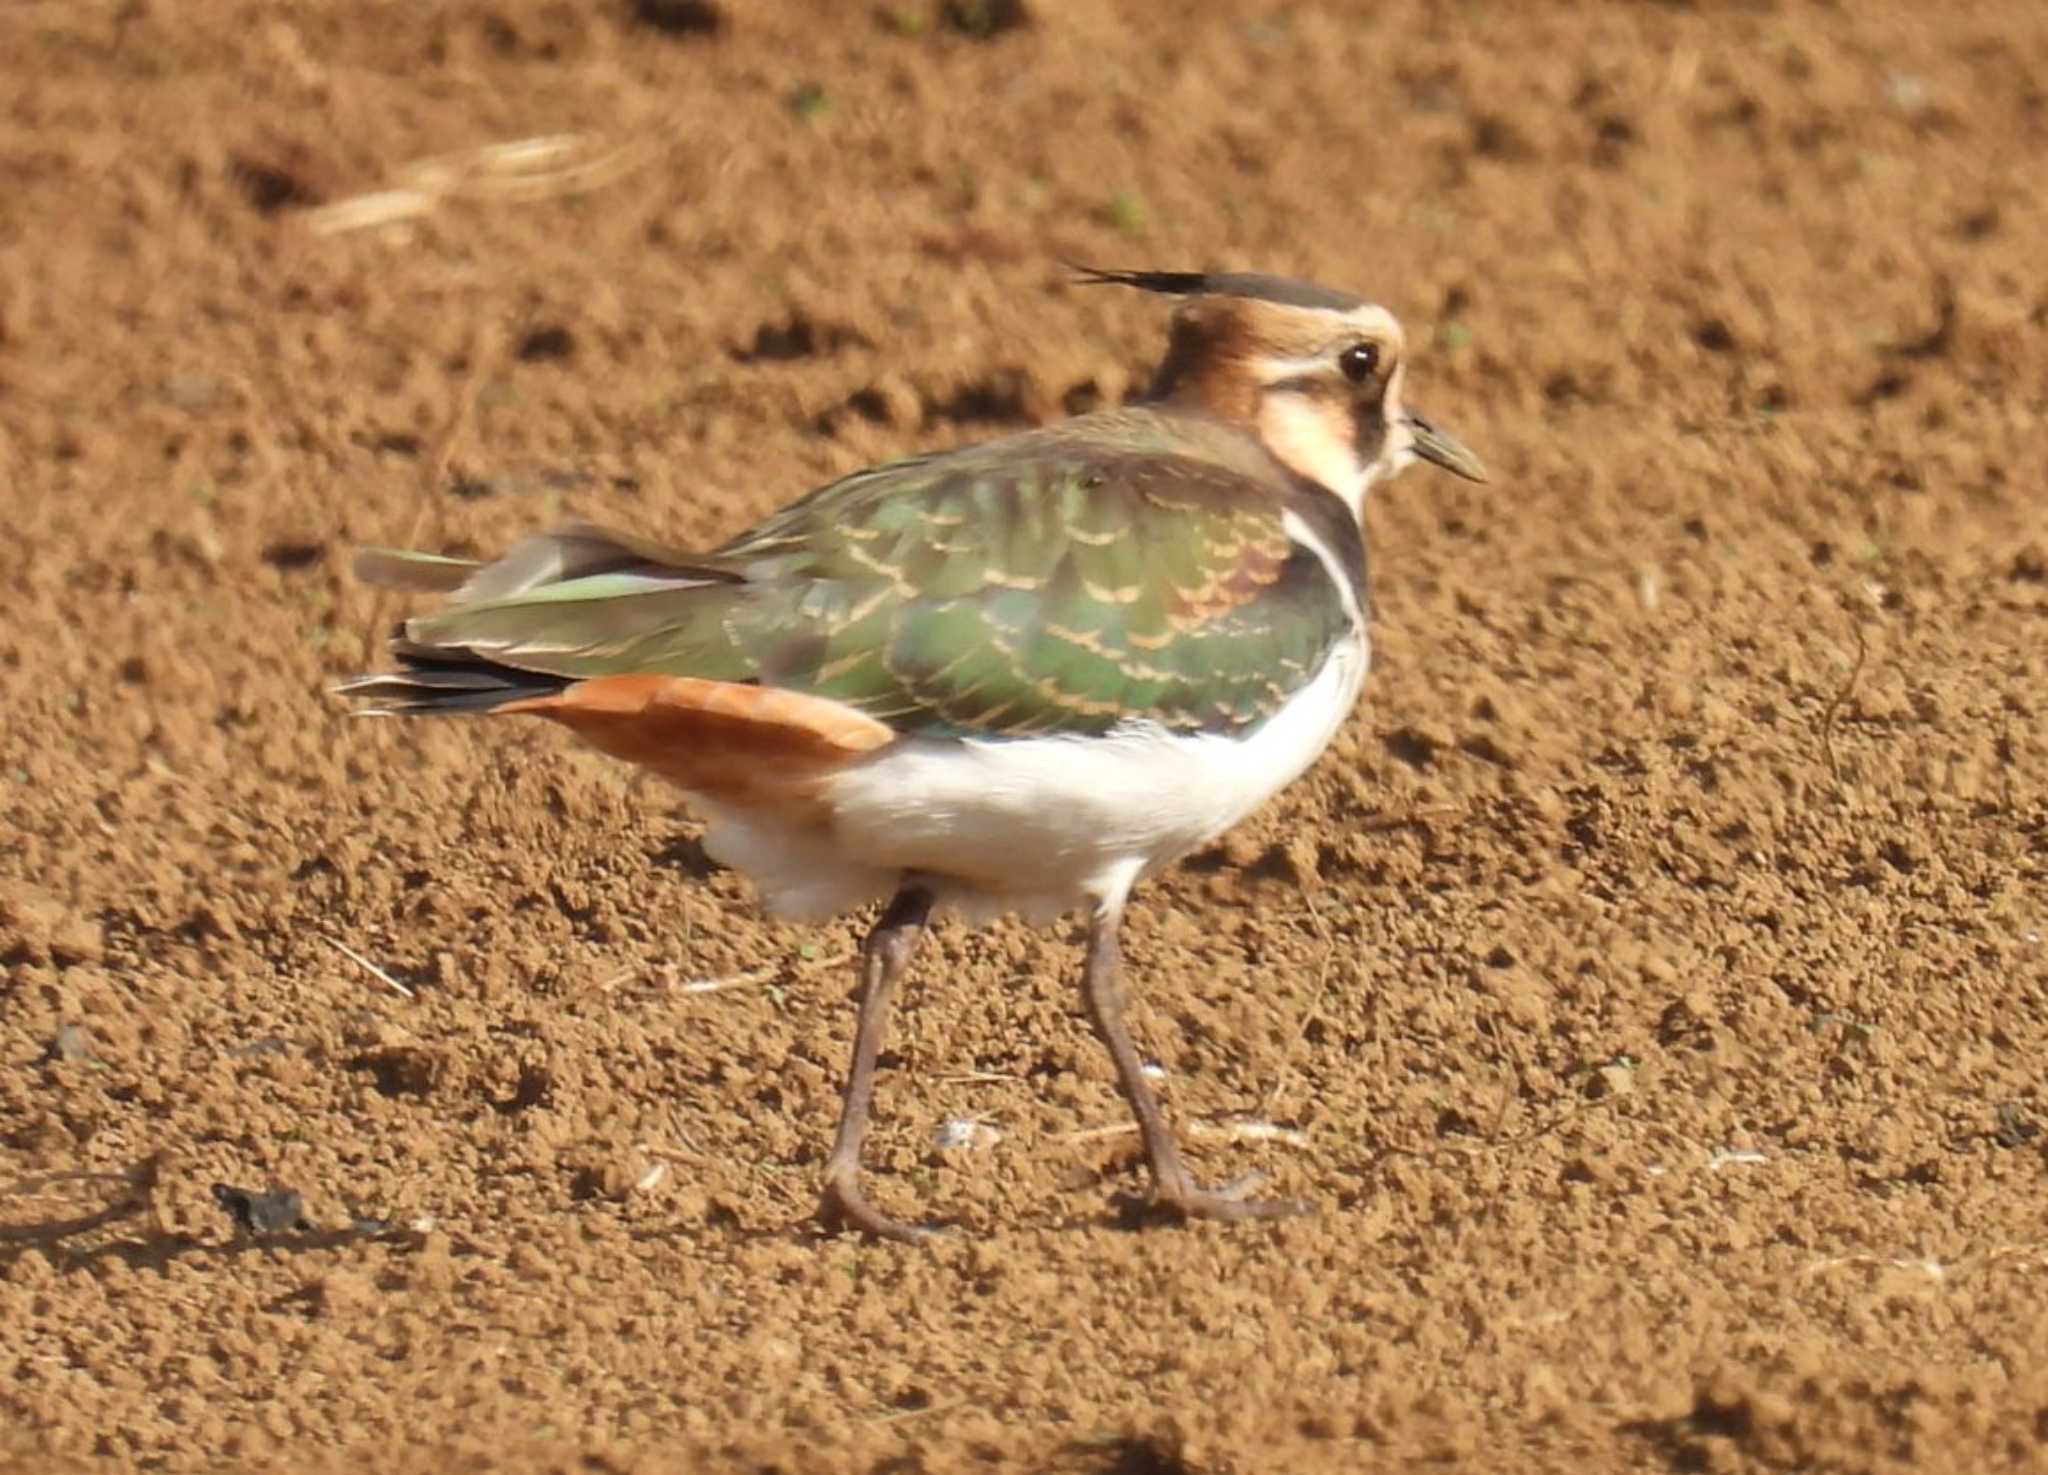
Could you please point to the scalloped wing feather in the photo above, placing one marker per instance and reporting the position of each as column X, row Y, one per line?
column 1120, row 567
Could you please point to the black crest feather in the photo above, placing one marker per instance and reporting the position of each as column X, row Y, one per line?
column 1285, row 291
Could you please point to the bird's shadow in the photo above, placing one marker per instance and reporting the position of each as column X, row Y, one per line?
column 158, row 1249
column 153, row 1248
column 1126, row 1212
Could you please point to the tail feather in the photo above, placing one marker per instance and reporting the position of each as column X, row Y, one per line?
column 576, row 551
column 414, row 573
column 445, row 685
column 556, row 600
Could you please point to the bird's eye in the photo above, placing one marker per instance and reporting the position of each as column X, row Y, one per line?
column 1358, row 361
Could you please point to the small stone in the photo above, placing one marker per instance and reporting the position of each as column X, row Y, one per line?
column 965, row 1133
column 613, row 1176
column 77, row 940
column 1610, row 1081
column 652, row 1178
column 29, row 920
column 262, row 1213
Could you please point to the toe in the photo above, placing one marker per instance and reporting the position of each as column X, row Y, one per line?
column 1231, row 1206
column 846, row 1207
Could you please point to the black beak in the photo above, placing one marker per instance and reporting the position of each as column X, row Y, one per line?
column 1443, row 449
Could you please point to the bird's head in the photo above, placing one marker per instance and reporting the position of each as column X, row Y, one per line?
column 1315, row 374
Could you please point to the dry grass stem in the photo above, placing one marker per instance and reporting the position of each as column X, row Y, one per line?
column 368, row 967
column 524, row 169
column 1232, row 1131
column 1315, row 1004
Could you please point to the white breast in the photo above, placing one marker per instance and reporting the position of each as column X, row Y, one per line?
column 1033, row 825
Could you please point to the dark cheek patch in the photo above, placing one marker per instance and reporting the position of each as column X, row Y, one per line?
column 1369, row 424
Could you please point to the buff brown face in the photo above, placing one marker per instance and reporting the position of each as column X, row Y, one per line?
column 1318, row 371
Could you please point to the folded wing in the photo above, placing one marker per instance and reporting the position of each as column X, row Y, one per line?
column 1062, row 582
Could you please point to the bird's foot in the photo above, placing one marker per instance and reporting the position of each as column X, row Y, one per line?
column 1232, row 1203
column 844, row 1206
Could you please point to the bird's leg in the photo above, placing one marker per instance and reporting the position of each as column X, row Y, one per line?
column 883, row 958
column 1174, row 1188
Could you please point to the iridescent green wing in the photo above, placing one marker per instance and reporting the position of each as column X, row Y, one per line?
column 1051, row 587
column 1046, row 586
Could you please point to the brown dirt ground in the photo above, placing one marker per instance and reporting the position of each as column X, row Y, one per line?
column 1654, row 972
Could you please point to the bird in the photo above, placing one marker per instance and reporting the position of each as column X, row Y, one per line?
column 1017, row 676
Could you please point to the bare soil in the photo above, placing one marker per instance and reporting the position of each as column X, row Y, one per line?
column 1649, row 988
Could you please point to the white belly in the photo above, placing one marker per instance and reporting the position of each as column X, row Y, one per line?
column 1033, row 825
